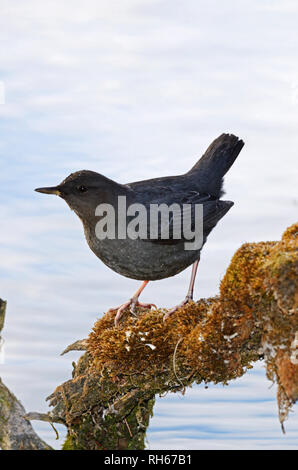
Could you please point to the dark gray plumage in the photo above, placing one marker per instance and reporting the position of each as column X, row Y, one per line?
column 152, row 259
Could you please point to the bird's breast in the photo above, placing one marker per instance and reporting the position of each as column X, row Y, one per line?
column 141, row 259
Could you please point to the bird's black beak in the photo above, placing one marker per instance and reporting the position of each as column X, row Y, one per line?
column 50, row 190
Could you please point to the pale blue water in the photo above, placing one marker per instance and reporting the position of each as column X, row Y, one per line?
column 137, row 89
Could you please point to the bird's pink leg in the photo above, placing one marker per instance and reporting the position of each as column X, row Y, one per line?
column 133, row 303
column 189, row 295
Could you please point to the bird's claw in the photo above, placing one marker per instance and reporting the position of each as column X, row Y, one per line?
column 132, row 303
column 174, row 309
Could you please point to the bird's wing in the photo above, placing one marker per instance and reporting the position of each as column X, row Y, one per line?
column 183, row 217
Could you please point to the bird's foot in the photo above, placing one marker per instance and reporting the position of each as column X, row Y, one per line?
column 187, row 299
column 132, row 303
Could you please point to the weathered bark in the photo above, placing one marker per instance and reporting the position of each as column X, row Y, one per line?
column 16, row 432
column 108, row 402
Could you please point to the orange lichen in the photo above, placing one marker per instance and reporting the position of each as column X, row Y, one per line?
column 219, row 337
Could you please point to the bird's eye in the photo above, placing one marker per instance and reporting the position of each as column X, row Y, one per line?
column 82, row 189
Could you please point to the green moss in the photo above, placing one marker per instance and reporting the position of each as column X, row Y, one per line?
column 68, row 444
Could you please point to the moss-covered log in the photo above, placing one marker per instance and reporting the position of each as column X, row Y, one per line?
column 108, row 402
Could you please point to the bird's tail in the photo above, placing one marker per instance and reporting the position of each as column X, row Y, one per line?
column 214, row 164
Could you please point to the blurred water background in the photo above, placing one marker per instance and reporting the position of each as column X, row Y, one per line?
column 137, row 89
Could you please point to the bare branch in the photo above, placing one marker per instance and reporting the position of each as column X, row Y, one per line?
column 80, row 345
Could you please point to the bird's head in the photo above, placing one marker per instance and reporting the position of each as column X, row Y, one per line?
column 83, row 191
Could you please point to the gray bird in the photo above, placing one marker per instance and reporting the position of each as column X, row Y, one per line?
column 145, row 258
